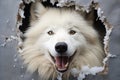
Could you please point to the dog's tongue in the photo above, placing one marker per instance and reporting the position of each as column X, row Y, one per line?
column 61, row 61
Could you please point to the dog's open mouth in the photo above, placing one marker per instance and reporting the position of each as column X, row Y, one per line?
column 62, row 62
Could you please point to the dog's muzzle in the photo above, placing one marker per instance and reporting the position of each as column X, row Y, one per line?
column 61, row 61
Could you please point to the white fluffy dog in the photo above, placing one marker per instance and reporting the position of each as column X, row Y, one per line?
column 58, row 40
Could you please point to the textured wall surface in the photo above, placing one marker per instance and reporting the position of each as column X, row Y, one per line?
column 12, row 69
column 8, row 11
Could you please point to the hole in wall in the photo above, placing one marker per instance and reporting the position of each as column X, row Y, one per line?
column 99, row 25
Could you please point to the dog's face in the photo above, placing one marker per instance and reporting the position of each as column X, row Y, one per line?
column 61, row 37
column 61, row 34
column 62, row 43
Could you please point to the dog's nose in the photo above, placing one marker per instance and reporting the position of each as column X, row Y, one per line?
column 61, row 47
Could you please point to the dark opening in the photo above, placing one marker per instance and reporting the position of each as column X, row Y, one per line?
column 26, row 20
column 99, row 26
column 47, row 3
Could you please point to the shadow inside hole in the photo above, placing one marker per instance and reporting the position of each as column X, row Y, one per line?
column 99, row 26
column 25, row 21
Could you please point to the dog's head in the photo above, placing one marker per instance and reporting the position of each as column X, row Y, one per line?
column 61, row 33
column 62, row 43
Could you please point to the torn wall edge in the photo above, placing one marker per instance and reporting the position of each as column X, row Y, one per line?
column 78, row 6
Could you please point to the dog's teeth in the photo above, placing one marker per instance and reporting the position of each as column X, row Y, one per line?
column 66, row 65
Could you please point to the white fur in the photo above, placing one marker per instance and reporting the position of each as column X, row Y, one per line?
column 39, row 44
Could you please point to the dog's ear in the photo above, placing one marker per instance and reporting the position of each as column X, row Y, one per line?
column 37, row 10
column 88, row 16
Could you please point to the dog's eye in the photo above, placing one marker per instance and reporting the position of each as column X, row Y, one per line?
column 50, row 32
column 72, row 32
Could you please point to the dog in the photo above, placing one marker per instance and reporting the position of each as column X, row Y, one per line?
column 58, row 40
